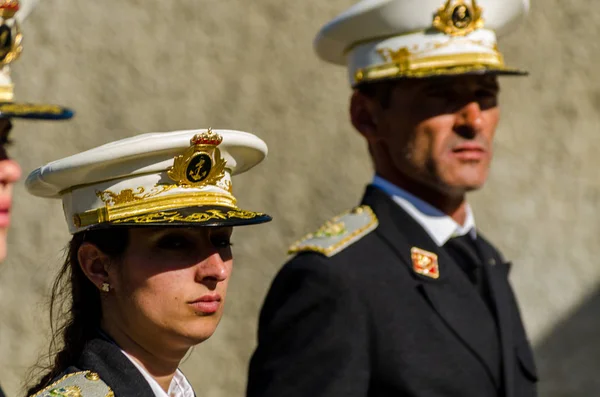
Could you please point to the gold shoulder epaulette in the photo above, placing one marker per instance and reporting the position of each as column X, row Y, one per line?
column 77, row 384
column 339, row 232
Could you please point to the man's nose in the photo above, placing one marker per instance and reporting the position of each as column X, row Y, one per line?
column 468, row 120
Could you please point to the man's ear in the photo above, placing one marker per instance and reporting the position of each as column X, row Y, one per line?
column 364, row 115
column 94, row 263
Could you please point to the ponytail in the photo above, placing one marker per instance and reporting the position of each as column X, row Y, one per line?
column 75, row 310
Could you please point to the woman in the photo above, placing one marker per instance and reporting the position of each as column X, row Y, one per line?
column 146, row 274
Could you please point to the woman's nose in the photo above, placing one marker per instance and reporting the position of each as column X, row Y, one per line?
column 10, row 172
column 212, row 268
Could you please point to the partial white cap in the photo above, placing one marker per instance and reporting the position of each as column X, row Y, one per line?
column 418, row 38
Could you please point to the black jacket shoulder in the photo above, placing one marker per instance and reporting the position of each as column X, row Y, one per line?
column 102, row 370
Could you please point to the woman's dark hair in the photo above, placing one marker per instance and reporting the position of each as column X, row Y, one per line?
column 75, row 310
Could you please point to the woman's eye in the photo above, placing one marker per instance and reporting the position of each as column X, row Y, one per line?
column 174, row 243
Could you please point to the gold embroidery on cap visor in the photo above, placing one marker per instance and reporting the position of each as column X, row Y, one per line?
column 193, row 207
column 196, row 217
column 18, row 109
column 130, row 195
column 407, row 65
column 157, row 204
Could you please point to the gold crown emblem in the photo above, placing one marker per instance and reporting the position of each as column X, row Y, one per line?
column 8, row 8
column 458, row 17
column 207, row 138
column 10, row 41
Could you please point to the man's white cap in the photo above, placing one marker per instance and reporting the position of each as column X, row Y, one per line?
column 386, row 39
column 180, row 178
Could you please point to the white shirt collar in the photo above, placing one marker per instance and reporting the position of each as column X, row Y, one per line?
column 438, row 225
column 179, row 387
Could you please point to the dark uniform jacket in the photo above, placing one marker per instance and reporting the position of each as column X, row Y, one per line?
column 2, row 393
column 363, row 323
column 102, row 368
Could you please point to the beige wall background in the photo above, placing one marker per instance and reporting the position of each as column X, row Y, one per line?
column 133, row 66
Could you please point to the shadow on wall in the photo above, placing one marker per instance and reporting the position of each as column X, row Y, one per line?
column 569, row 358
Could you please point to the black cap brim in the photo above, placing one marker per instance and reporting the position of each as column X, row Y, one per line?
column 198, row 216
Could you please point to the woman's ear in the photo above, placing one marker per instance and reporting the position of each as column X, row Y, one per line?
column 363, row 114
column 94, row 264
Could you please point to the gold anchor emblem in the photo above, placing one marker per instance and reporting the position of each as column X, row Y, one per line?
column 199, row 172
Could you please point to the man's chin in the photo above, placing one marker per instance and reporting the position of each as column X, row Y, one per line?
column 461, row 187
column 468, row 181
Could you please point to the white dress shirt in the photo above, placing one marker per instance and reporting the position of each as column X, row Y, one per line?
column 438, row 225
column 179, row 387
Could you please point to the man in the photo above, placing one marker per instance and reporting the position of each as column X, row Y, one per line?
column 10, row 49
column 403, row 296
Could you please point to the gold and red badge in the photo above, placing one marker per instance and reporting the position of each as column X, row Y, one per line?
column 425, row 263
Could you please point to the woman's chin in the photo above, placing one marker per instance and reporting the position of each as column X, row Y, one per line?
column 198, row 333
column 3, row 250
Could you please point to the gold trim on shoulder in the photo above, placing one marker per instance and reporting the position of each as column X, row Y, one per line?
column 338, row 233
column 92, row 376
column 201, row 164
column 458, row 17
column 77, row 384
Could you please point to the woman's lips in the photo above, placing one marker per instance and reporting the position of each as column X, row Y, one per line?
column 4, row 212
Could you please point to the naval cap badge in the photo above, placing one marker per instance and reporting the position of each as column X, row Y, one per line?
column 10, row 33
column 458, row 17
column 201, row 164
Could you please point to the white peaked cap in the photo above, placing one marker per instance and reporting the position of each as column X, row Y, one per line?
column 26, row 7
column 383, row 39
column 180, row 178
